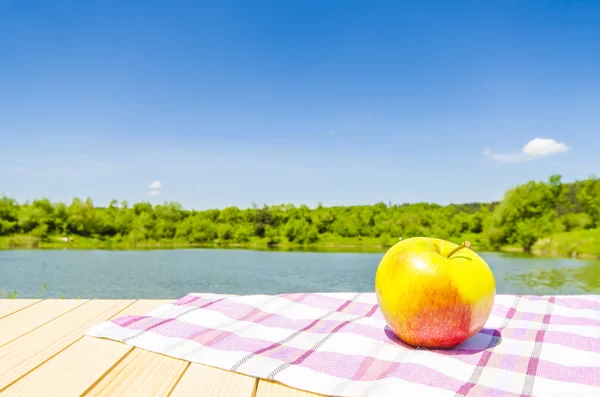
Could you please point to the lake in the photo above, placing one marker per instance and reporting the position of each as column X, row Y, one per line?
column 173, row 273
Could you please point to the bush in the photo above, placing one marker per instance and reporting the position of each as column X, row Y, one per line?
column 573, row 221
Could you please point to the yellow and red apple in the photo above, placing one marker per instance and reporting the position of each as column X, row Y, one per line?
column 434, row 293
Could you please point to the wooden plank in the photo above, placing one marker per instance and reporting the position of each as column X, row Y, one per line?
column 143, row 306
column 9, row 306
column 267, row 388
column 102, row 367
column 33, row 317
column 73, row 371
column 141, row 373
column 23, row 355
column 202, row 381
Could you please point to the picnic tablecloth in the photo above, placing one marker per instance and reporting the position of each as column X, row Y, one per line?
column 338, row 344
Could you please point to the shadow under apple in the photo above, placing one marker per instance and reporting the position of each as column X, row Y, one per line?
column 485, row 339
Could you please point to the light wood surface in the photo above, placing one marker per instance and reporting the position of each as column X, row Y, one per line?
column 23, row 321
column 203, row 381
column 35, row 348
column 8, row 306
column 44, row 352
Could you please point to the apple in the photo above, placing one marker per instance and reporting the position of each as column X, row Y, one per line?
column 433, row 293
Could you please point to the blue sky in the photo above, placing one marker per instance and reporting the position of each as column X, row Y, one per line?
column 340, row 102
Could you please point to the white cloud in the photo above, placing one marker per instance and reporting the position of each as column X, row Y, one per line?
column 544, row 147
column 155, row 185
column 534, row 149
column 153, row 192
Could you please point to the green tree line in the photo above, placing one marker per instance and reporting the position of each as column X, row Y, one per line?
column 526, row 214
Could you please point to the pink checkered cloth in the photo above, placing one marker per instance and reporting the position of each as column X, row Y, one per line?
column 338, row 344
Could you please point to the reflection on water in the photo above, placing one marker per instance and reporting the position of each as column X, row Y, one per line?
column 334, row 249
column 585, row 278
column 174, row 273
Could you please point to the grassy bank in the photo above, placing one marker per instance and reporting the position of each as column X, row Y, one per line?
column 574, row 244
column 326, row 243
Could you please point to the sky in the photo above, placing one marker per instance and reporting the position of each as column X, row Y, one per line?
column 219, row 103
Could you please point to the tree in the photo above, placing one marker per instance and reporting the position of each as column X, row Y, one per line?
column 573, row 221
column 81, row 217
column 530, row 230
column 589, row 196
column 272, row 235
column 525, row 214
column 9, row 216
column 34, row 218
column 142, row 227
column 242, row 234
column 296, row 230
column 225, row 232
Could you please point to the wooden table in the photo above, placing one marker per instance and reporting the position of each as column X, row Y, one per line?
column 44, row 352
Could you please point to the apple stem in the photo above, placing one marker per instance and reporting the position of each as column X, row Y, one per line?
column 465, row 244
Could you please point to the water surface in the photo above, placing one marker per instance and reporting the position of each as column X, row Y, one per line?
column 173, row 273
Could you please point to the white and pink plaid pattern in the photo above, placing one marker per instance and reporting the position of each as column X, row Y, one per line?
column 338, row 344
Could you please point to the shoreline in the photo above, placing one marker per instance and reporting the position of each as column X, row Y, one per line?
column 330, row 247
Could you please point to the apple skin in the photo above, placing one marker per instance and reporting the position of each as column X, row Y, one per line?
column 432, row 301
